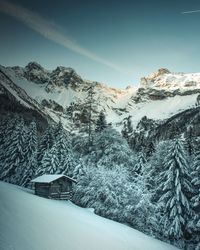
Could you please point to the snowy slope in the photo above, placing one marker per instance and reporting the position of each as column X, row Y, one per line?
column 9, row 86
column 162, row 109
column 29, row 222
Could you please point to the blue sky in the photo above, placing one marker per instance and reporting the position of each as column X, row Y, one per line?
column 115, row 42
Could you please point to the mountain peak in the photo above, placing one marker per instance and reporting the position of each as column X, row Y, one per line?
column 148, row 81
column 63, row 69
column 34, row 66
column 163, row 79
column 63, row 76
column 159, row 72
column 36, row 73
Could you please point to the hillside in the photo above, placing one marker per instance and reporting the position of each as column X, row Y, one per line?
column 35, row 223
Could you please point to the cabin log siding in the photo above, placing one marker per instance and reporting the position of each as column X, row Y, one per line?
column 42, row 189
column 60, row 189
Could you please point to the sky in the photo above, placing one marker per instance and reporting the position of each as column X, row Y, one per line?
column 113, row 42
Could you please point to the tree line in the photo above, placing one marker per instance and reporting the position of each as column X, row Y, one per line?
column 157, row 193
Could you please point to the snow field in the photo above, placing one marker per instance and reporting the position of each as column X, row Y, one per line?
column 29, row 222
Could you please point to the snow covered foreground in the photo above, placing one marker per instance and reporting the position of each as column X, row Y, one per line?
column 29, row 222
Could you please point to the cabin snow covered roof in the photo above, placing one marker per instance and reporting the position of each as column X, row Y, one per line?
column 47, row 178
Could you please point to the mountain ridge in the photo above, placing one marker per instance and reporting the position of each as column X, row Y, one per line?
column 62, row 91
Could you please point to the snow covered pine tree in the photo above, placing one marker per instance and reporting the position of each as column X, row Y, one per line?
column 175, row 189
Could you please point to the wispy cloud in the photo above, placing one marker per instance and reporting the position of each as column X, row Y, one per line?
column 49, row 30
column 190, row 12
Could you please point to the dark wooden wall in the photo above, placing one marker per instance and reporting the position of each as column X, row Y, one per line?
column 58, row 189
column 42, row 189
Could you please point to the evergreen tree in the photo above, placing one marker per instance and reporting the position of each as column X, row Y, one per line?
column 149, row 149
column 58, row 129
column 45, row 144
column 87, row 115
column 79, row 171
column 84, row 117
column 140, row 165
column 190, row 140
column 80, row 145
column 30, row 155
column 32, row 141
column 7, row 126
column 196, row 181
column 29, row 170
column 155, row 167
column 3, row 126
column 15, row 154
column 195, row 218
column 127, row 129
column 101, row 123
column 90, row 104
column 65, row 155
column 175, row 189
column 60, row 158
column 50, row 162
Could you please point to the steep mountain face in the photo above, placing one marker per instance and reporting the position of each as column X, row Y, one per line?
column 13, row 100
column 63, row 94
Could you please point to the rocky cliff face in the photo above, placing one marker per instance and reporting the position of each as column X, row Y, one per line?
column 163, row 84
column 60, row 77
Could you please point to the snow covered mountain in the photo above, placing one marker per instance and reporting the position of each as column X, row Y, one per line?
column 165, row 80
column 63, row 94
column 35, row 223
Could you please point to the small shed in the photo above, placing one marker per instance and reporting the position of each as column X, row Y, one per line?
column 54, row 186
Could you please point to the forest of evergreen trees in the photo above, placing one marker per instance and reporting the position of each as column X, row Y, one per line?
column 156, row 191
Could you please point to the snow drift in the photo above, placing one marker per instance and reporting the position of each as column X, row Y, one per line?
column 29, row 222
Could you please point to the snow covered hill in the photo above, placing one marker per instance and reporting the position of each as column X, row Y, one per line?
column 58, row 92
column 29, row 222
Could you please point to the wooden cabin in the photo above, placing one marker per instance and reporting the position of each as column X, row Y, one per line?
column 54, row 186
